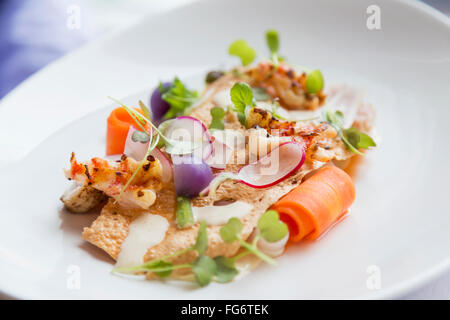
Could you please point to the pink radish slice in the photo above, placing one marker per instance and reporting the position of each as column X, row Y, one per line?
column 220, row 155
column 138, row 150
column 274, row 167
column 269, row 170
column 187, row 128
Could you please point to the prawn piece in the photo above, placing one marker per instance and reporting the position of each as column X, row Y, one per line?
column 112, row 176
column 285, row 83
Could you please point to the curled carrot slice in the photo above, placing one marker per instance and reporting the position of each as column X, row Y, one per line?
column 118, row 123
column 313, row 206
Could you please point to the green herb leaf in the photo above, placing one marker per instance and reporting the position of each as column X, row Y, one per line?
column 352, row 137
column 230, row 232
column 260, row 94
column 185, row 217
column 204, row 269
column 139, row 136
column 241, row 96
column 336, row 119
column 274, row 44
column 178, row 96
column 272, row 41
column 241, row 49
column 218, row 115
column 201, row 244
column 270, row 226
column 314, row 82
column 358, row 139
column 226, row 270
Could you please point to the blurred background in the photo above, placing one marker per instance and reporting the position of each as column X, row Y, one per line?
column 35, row 33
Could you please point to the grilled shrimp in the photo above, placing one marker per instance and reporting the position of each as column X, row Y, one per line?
column 112, row 176
column 286, row 84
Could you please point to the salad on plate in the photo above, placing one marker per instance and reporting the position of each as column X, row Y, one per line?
column 204, row 187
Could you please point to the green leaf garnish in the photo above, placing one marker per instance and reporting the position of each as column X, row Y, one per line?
column 204, row 269
column 241, row 49
column 201, row 244
column 226, row 270
column 242, row 98
column 230, row 232
column 358, row 139
column 218, row 115
column 314, row 82
column 179, row 97
column 336, row 119
column 139, row 136
column 260, row 94
column 185, row 217
column 352, row 137
column 270, row 226
column 274, row 44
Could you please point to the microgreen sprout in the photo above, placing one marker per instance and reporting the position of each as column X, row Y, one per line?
column 241, row 49
column 273, row 43
column 231, row 232
column 352, row 137
column 179, row 97
column 218, row 115
column 314, row 82
column 242, row 97
column 221, row 269
column 204, row 268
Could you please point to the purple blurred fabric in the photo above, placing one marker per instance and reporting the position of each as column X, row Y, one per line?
column 32, row 34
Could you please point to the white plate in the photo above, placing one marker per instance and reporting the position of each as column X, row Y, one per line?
column 400, row 221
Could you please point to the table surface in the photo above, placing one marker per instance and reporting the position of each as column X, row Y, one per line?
column 437, row 289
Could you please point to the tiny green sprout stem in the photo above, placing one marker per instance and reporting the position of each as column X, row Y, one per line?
column 140, row 268
column 255, row 240
column 169, row 256
column 240, row 255
column 256, row 252
column 145, row 266
column 169, row 268
column 219, row 180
